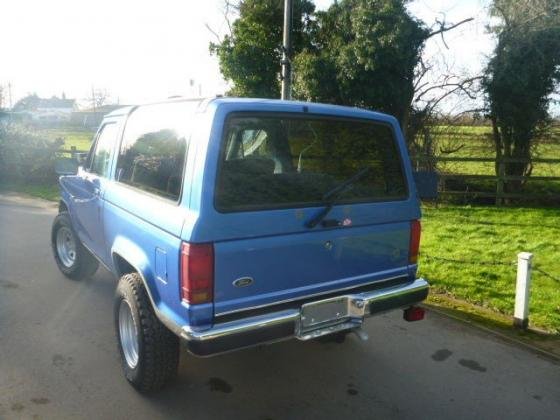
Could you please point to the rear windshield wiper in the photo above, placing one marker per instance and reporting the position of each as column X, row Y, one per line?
column 330, row 196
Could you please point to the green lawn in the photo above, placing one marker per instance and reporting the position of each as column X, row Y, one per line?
column 480, row 235
column 476, row 142
column 46, row 192
column 72, row 137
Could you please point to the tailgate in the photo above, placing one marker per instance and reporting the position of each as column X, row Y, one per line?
column 256, row 272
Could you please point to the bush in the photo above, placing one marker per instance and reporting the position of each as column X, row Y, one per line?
column 26, row 157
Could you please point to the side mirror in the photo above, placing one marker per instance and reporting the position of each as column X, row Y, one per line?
column 66, row 166
column 80, row 157
column 427, row 184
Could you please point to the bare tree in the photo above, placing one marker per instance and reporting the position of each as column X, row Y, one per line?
column 230, row 12
column 437, row 85
column 98, row 98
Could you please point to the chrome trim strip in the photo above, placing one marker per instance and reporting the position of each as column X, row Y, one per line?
column 359, row 309
column 242, row 326
column 309, row 296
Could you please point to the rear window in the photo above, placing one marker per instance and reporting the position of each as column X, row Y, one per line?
column 273, row 162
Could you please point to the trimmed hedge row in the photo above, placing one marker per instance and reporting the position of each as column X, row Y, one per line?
column 27, row 157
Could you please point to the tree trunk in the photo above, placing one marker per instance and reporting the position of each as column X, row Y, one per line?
column 497, row 144
column 511, row 144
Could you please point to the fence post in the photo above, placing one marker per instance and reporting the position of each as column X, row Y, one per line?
column 522, row 290
column 500, row 182
column 73, row 151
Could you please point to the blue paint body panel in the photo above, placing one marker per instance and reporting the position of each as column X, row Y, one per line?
column 285, row 259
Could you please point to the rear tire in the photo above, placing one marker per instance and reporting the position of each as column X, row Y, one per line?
column 149, row 351
column 72, row 258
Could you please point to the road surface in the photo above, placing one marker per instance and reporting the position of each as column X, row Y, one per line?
column 58, row 358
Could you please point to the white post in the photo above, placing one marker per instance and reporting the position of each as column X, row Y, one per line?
column 522, row 290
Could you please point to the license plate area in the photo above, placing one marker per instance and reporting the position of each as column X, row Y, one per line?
column 324, row 312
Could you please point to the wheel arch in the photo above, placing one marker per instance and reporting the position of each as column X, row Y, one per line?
column 62, row 206
column 129, row 258
column 122, row 266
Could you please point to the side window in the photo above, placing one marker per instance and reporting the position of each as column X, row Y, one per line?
column 153, row 150
column 101, row 156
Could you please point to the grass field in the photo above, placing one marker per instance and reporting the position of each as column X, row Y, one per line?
column 72, row 137
column 47, row 192
column 476, row 142
column 486, row 240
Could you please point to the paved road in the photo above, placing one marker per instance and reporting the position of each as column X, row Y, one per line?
column 58, row 358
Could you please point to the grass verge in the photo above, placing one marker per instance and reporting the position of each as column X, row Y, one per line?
column 81, row 139
column 47, row 192
column 496, row 323
column 470, row 253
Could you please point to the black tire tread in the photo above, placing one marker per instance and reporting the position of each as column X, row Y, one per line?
column 86, row 264
column 159, row 347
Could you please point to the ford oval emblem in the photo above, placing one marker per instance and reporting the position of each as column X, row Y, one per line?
column 243, row 282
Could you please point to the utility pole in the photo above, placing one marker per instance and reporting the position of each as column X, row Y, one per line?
column 287, row 52
column 10, row 95
column 93, row 99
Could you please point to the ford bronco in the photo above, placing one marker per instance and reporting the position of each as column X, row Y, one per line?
column 237, row 222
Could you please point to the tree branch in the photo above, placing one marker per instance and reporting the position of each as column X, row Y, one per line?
column 213, row 32
column 231, row 7
column 457, row 86
column 433, row 104
column 444, row 28
column 449, row 151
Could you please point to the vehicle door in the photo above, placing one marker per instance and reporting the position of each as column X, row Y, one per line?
column 89, row 189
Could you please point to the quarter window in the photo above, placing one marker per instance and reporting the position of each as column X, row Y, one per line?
column 153, row 150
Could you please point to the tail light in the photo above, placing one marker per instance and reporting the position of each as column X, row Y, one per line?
column 414, row 313
column 197, row 273
column 415, row 230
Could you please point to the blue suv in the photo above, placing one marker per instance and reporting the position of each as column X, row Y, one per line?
column 236, row 222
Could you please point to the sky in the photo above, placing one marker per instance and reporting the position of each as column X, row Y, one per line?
column 140, row 51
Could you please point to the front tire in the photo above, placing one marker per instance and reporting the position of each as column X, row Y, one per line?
column 72, row 258
column 149, row 351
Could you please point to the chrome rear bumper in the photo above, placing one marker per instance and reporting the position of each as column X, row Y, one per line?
column 351, row 309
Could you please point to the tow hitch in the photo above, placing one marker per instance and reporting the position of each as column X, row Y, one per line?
column 361, row 334
column 414, row 313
